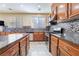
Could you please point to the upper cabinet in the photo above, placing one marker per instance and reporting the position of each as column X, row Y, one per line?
column 53, row 10
column 65, row 11
column 62, row 11
column 73, row 9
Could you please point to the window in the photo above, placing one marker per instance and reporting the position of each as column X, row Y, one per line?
column 39, row 22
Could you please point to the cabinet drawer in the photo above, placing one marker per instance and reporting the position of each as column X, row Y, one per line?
column 54, row 39
column 69, row 48
column 12, row 51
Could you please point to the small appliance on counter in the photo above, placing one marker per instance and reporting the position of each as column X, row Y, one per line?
column 1, row 26
column 56, row 29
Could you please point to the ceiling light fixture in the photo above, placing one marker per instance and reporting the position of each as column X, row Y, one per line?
column 39, row 7
column 21, row 5
column 61, row 6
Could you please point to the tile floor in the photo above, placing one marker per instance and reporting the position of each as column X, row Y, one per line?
column 38, row 49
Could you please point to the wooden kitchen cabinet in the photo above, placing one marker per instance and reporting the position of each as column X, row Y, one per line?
column 23, row 47
column 54, row 45
column 41, row 36
column 53, row 49
column 16, row 48
column 65, row 11
column 74, row 9
column 69, row 48
column 61, row 52
column 62, row 47
column 27, row 44
column 35, row 36
column 2, row 33
column 7, row 33
column 38, row 36
column 54, row 11
column 13, row 51
column 62, row 12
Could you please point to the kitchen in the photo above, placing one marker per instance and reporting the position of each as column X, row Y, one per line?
column 39, row 29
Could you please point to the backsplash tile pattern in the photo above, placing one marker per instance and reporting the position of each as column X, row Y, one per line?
column 72, row 26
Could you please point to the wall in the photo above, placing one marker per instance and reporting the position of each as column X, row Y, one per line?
column 25, row 18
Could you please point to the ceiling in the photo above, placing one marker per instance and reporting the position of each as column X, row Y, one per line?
column 25, row 7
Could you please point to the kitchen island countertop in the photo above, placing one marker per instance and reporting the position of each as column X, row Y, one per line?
column 5, row 40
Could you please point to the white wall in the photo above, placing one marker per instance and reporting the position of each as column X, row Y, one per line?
column 25, row 18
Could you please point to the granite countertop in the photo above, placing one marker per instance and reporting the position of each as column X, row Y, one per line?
column 31, row 30
column 72, row 36
column 8, row 39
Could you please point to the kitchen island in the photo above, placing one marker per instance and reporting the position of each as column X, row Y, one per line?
column 14, row 44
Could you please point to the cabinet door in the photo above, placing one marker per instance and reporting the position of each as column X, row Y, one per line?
column 28, row 44
column 13, row 51
column 74, row 9
column 54, row 45
column 62, row 11
column 41, row 36
column 53, row 49
column 35, row 36
column 53, row 10
column 38, row 36
column 69, row 47
column 23, row 47
column 62, row 52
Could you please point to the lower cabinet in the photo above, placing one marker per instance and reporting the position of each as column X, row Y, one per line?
column 53, row 49
column 24, row 46
column 54, row 45
column 38, row 36
column 69, row 48
column 18, row 48
column 61, row 52
column 13, row 51
column 28, row 44
column 62, row 47
column 2, row 33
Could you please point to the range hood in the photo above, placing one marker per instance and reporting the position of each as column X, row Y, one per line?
column 53, row 20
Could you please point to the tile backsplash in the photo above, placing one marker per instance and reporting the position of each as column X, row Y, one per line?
column 72, row 26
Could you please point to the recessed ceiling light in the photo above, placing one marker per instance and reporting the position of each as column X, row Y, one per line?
column 3, row 5
column 39, row 6
column 21, row 5
column 61, row 6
